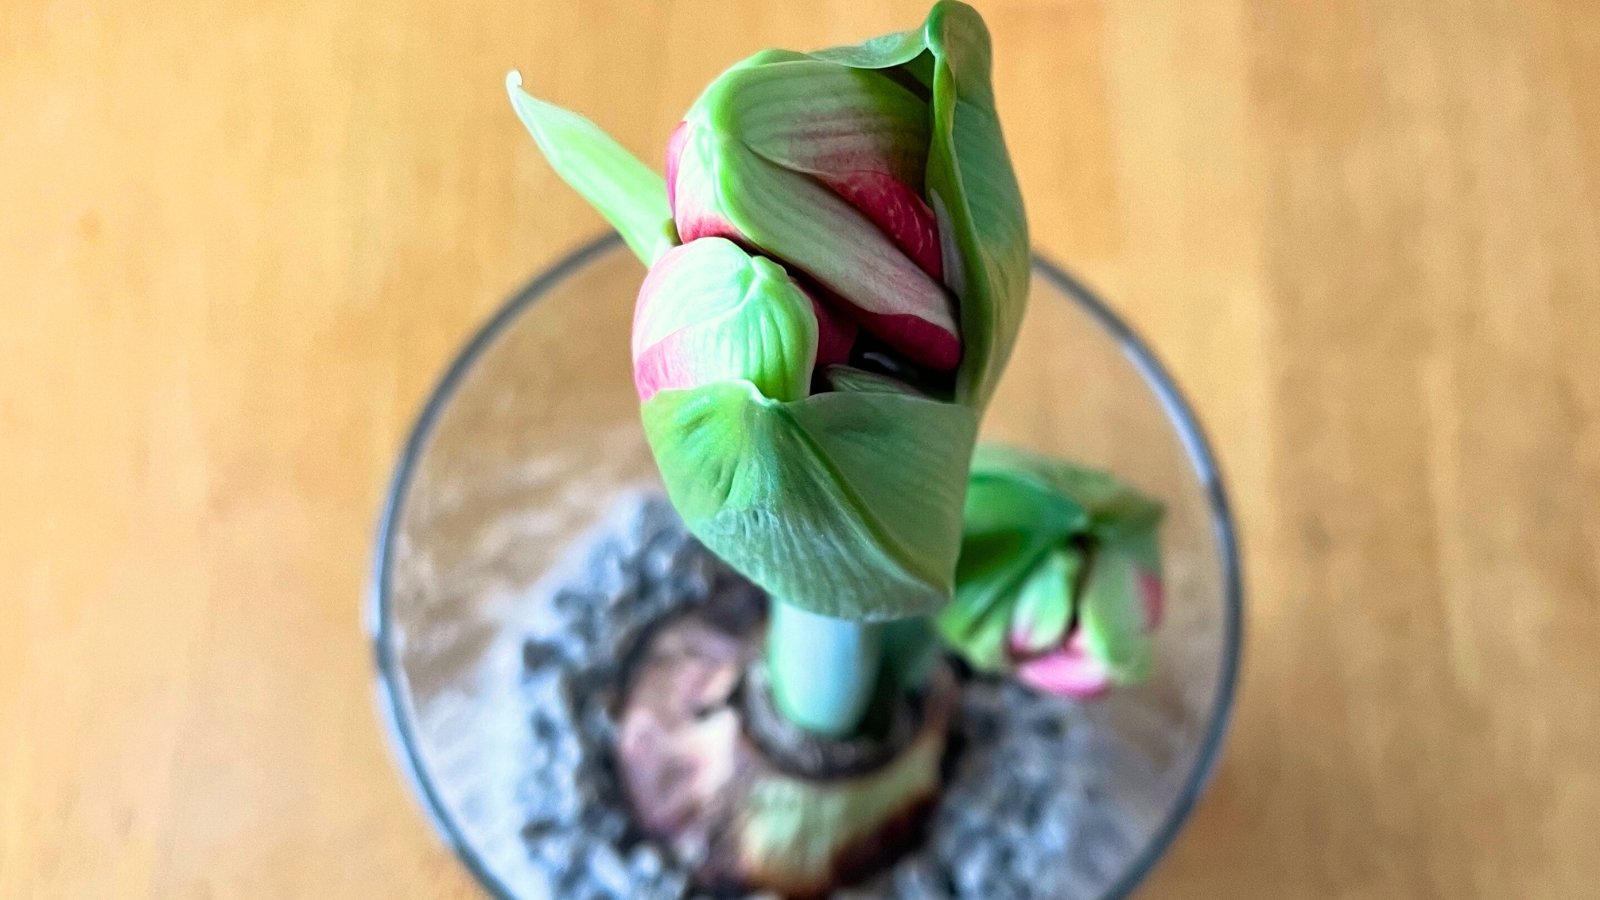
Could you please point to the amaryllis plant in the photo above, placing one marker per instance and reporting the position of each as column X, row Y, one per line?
column 838, row 262
column 1059, row 580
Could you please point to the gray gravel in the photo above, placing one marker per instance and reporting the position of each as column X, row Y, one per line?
column 1041, row 801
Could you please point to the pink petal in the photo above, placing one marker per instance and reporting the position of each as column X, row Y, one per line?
column 899, row 211
column 1019, row 643
column 919, row 339
column 1068, row 672
column 660, row 368
column 1153, row 593
column 674, row 151
column 910, row 333
column 692, row 190
column 836, row 334
column 666, row 365
column 650, row 321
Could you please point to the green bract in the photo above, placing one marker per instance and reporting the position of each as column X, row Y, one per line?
column 846, row 504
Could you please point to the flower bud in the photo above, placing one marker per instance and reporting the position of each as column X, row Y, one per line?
column 708, row 312
column 839, row 265
column 820, row 165
column 1059, row 576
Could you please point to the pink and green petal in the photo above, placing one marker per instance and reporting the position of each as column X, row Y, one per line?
column 1069, row 672
column 900, row 212
column 856, row 130
column 1153, row 591
column 969, row 184
column 675, row 143
column 709, row 312
column 723, row 189
column 1044, row 605
column 822, row 118
column 694, row 161
column 1112, row 617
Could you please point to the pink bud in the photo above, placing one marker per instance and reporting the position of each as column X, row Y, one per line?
column 1068, row 670
column 708, row 311
column 821, row 166
column 1153, row 593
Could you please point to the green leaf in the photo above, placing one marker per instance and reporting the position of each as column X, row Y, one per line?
column 820, row 118
column 629, row 194
column 843, row 504
column 1112, row 616
column 849, row 378
column 999, row 502
column 1011, row 532
column 910, row 650
column 982, row 640
column 1110, row 508
column 987, row 576
column 1008, row 528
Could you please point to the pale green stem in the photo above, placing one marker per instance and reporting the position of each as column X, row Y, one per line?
column 824, row 670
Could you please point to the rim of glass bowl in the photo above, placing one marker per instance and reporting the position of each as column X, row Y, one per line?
column 393, row 701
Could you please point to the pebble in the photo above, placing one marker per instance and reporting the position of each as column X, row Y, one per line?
column 607, row 870
column 1025, row 814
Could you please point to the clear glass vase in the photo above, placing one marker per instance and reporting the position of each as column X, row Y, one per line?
column 534, row 430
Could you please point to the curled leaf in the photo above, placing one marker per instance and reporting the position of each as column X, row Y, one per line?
column 844, row 504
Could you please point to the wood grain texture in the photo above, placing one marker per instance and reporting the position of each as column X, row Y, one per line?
column 238, row 240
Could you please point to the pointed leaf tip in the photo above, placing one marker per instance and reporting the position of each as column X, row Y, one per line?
column 631, row 196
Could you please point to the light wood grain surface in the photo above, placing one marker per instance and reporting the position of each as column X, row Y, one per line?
column 238, row 240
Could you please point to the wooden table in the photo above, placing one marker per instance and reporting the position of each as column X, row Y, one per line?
column 239, row 240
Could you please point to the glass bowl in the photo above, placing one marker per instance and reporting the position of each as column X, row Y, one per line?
column 534, row 429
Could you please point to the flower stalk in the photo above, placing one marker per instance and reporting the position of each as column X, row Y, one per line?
column 838, row 267
column 800, row 644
